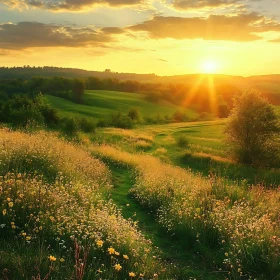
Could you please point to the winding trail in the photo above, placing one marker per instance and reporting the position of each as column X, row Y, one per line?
column 187, row 263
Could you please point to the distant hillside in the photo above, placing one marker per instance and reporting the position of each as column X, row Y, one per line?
column 29, row 72
column 102, row 104
column 198, row 91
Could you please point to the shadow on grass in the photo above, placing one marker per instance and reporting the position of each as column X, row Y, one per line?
column 233, row 172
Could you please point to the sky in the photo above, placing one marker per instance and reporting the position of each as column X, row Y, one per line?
column 165, row 37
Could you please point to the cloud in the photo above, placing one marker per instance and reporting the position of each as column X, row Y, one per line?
column 201, row 4
column 70, row 5
column 33, row 34
column 275, row 40
column 239, row 28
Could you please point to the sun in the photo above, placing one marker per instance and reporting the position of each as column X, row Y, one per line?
column 209, row 67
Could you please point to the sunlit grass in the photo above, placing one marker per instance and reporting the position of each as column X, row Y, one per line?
column 232, row 220
column 51, row 201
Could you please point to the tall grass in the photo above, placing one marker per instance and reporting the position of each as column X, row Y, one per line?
column 233, row 221
column 54, row 220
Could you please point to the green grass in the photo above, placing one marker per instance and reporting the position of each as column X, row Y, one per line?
column 102, row 103
column 187, row 263
column 206, row 152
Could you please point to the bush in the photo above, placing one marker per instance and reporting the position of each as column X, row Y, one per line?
column 121, row 121
column 86, row 125
column 70, row 126
column 223, row 111
column 50, row 115
column 102, row 123
column 182, row 141
column 134, row 114
column 252, row 130
column 22, row 109
column 24, row 117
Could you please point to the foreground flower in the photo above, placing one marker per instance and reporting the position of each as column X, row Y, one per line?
column 132, row 274
column 52, row 258
column 118, row 267
column 111, row 250
column 99, row 243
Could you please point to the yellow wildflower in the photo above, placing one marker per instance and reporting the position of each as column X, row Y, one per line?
column 4, row 212
column 99, row 243
column 52, row 258
column 27, row 238
column 118, row 267
column 111, row 250
column 21, row 195
column 8, row 199
column 125, row 257
column 62, row 260
column 11, row 204
column 132, row 274
column 99, row 271
column 117, row 253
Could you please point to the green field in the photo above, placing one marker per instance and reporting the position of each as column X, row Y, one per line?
column 205, row 153
column 102, row 104
column 161, row 201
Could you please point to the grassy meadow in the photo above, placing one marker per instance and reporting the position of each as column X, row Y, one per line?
column 102, row 104
column 160, row 201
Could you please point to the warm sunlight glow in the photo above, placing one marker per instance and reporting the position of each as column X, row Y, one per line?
column 209, row 66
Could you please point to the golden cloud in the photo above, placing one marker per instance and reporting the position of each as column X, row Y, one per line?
column 241, row 28
column 33, row 34
column 69, row 5
column 199, row 4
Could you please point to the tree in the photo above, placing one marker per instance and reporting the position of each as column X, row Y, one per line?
column 252, row 130
column 134, row 114
column 223, row 110
column 78, row 90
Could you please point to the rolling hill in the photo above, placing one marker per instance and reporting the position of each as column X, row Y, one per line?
column 102, row 104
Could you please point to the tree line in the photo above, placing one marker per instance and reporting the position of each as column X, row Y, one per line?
column 73, row 89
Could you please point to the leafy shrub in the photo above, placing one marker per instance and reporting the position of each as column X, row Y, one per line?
column 22, row 117
column 134, row 114
column 22, row 109
column 50, row 115
column 121, row 121
column 86, row 125
column 223, row 111
column 182, row 141
column 70, row 126
column 102, row 123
